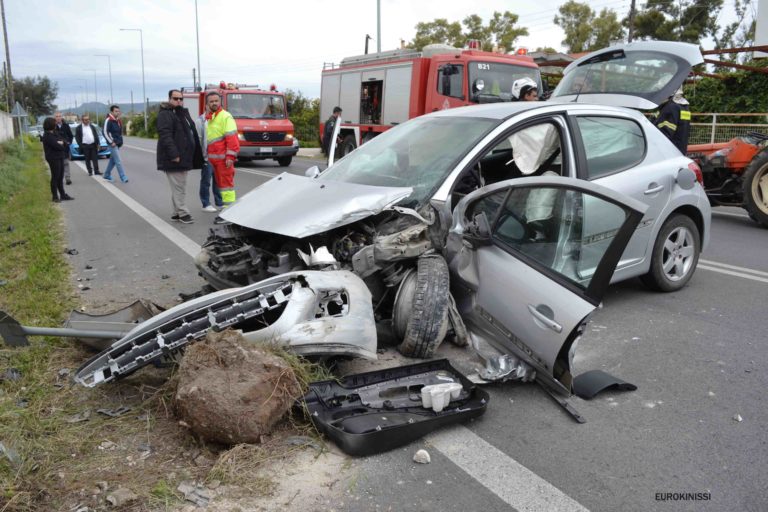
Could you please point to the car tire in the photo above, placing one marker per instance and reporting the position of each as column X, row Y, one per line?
column 284, row 161
column 755, row 189
column 675, row 255
column 424, row 297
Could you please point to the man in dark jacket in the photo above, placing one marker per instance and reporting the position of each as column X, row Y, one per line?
column 674, row 120
column 178, row 151
column 330, row 124
column 63, row 129
column 88, row 139
column 113, row 132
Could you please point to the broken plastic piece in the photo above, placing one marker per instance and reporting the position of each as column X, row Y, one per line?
column 114, row 413
column 589, row 384
column 319, row 257
column 438, row 396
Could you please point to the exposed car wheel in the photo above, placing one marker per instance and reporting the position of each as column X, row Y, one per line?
column 756, row 189
column 348, row 145
column 284, row 161
column 675, row 255
column 420, row 315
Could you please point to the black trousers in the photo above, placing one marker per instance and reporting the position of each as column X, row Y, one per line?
column 57, row 178
column 91, row 154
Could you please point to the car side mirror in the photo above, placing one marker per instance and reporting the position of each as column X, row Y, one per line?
column 312, row 172
column 686, row 178
column 479, row 230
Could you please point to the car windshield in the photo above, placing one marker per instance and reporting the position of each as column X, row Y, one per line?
column 495, row 80
column 419, row 153
column 256, row 106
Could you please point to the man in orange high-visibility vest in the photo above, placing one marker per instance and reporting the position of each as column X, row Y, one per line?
column 221, row 137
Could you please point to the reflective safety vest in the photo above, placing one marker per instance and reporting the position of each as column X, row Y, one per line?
column 221, row 134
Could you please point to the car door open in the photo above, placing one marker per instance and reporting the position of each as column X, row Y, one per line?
column 531, row 258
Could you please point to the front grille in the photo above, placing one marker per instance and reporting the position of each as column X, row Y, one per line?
column 264, row 137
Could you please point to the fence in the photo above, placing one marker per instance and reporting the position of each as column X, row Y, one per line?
column 711, row 128
column 6, row 126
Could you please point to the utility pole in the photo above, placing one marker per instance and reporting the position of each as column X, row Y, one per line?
column 378, row 26
column 11, row 97
column 197, row 35
column 109, row 64
column 631, row 21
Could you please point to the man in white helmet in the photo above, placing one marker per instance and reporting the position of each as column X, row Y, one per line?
column 525, row 89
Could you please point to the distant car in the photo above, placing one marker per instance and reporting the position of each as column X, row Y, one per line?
column 35, row 131
column 104, row 149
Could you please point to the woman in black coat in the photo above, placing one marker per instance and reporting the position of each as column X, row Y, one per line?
column 56, row 149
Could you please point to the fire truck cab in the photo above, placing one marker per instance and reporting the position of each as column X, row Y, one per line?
column 380, row 90
column 263, row 127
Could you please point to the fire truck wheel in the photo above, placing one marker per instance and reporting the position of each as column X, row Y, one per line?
column 421, row 308
column 284, row 161
column 756, row 189
column 348, row 145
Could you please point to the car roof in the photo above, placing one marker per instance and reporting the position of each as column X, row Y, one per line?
column 504, row 111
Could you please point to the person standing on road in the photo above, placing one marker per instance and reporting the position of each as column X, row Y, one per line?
column 88, row 139
column 222, row 148
column 674, row 120
column 206, row 172
column 65, row 131
column 113, row 132
column 330, row 124
column 178, row 151
column 56, row 150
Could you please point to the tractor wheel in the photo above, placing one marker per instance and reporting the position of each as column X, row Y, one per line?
column 675, row 255
column 421, row 308
column 756, row 189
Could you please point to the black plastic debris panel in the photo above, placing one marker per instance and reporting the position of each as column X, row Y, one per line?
column 377, row 411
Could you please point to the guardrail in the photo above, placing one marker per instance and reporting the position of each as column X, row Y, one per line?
column 709, row 128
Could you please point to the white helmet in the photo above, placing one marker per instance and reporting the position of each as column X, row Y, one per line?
column 522, row 86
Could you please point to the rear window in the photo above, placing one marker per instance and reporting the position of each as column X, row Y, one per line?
column 611, row 144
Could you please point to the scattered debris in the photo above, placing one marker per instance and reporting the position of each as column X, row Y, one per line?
column 10, row 228
column 738, row 418
column 10, row 454
column 232, row 391
column 114, row 413
column 64, row 373
column 17, row 243
column 71, row 252
column 144, row 447
column 85, row 288
column 3, row 282
column 88, row 267
column 195, row 493
column 302, row 441
column 11, row 375
column 121, row 496
column 102, row 485
column 22, row 403
column 80, row 417
column 711, row 393
column 107, row 445
column 422, row 457
column 165, row 276
column 588, row 384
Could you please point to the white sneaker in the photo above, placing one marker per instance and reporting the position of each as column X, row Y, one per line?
column 210, row 208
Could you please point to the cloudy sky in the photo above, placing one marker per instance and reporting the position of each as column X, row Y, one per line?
column 255, row 42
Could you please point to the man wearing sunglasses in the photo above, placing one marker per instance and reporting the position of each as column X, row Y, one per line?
column 178, row 151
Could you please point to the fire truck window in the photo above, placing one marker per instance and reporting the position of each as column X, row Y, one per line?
column 256, row 106
column 370, row 102
column 450, row 80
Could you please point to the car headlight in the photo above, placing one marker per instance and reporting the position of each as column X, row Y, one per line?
column 240, row 136
column 288, row 136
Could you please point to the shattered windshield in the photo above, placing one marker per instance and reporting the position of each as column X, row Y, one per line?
column 419, row 154
column 491, row 79
column 256, row 106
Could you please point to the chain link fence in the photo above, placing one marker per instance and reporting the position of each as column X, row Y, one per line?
column 712, row 128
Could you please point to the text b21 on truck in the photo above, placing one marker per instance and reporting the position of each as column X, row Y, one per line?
column 380, row 90
column 263, row 127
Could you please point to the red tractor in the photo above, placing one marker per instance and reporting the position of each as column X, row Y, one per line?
column 736, row 173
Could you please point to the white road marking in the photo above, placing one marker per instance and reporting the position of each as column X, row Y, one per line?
column 495, row 470
column 502, row 475
column 174, row 235
column 734, row 267
column 140, row 149
column 732, row 273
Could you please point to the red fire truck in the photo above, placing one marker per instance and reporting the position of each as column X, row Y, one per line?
column 263, row 127
column 380, row 90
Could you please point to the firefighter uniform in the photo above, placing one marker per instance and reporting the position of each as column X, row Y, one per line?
column 223, row 146
column 674, row 121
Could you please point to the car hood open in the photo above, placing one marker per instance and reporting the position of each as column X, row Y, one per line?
column 640, row 75
column 298, row 206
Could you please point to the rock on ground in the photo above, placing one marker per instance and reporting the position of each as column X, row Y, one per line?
column 231, row 391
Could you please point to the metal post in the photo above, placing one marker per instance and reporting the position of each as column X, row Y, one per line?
column 714, row 125
column 378, row 26
column 11, row 98
column 95, row 95
column 109, row 64
column 631, row 22
column 143, row 82
column 197, row 35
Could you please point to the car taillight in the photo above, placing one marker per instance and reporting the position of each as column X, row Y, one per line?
column 697, row 171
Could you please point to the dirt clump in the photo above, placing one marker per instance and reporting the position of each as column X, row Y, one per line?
column 232, row 391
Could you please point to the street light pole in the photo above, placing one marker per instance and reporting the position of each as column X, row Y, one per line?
column 109, row 64
column 197, row 35
column 95, row 95
column 143, row 83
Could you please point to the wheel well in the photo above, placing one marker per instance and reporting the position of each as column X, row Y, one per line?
column 695, row 215
column 344, row 132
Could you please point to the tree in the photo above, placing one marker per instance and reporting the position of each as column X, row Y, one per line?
column 36, row 94
column 586, row 31
column 740, row 33
column 501, row 32
column 689, row 21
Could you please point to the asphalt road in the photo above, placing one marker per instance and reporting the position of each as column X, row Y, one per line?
column 698, row 358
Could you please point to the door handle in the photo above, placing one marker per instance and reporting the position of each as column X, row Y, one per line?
column 538, row 315
column 654, row 190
